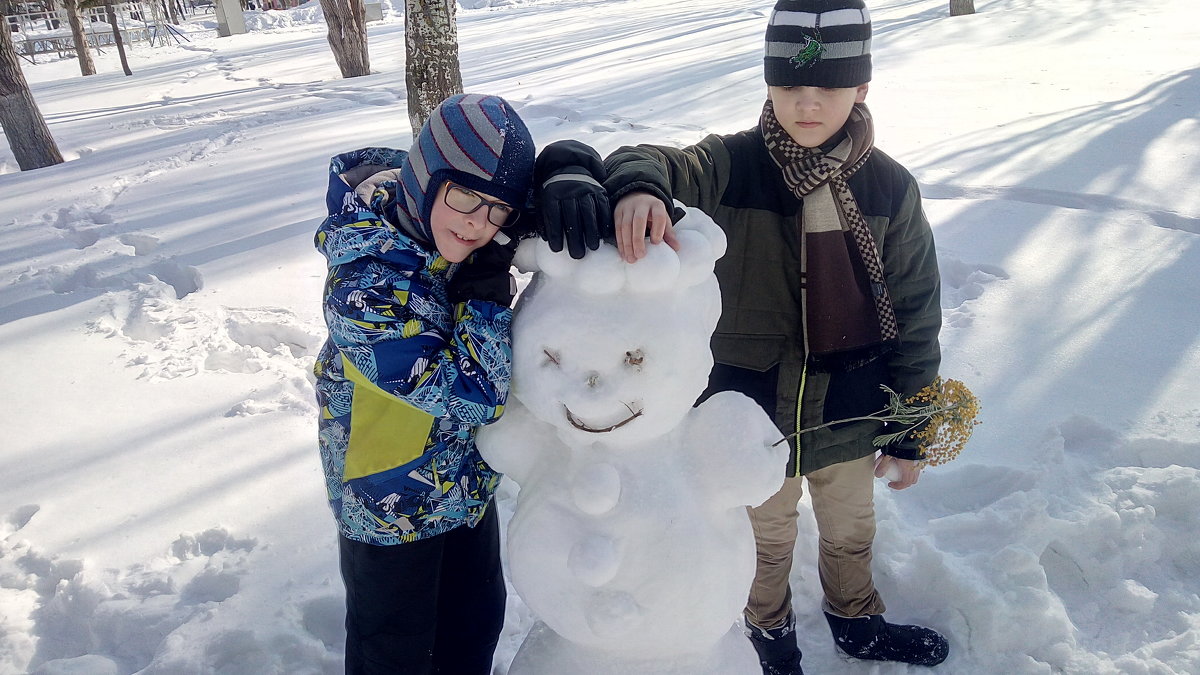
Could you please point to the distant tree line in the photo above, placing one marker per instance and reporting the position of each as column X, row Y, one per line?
column 432, row 69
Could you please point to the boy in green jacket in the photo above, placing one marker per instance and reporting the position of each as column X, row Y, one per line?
column 830, row 288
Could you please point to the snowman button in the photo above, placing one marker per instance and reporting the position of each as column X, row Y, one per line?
column 596, row 488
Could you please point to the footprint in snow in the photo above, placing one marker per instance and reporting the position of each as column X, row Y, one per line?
column 142, row 244
column 1159, row 445
column 324, row 619
column 118, row 619
column 962, row 283
column 80, row 225
column 18, row 519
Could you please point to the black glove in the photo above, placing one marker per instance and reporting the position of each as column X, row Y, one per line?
column 486, row 274
column 572, row 205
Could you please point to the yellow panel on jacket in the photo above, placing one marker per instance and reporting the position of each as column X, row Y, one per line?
column 386, row 432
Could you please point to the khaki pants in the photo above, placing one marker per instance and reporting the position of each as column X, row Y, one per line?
column 844, row 505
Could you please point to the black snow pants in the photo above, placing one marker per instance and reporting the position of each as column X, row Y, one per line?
column 430, row 606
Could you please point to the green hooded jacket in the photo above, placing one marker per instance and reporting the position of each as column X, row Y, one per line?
column 760, row 334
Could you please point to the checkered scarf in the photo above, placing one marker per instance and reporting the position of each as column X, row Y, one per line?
column 848, row 314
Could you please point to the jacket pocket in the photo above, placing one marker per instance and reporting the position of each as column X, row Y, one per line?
column 385, row 432
column 753, row 352
column 856, row 392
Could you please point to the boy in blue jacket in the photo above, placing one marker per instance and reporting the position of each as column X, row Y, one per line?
column 418, row 358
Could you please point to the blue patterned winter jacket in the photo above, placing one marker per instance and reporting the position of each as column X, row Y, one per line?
column 405, row 379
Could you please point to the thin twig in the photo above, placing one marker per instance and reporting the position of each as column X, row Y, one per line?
column 915, row 420
column 872, row 416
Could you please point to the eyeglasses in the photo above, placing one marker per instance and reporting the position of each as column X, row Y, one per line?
column 463, row 200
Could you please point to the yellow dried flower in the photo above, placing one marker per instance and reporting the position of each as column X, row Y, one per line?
column 941, row 417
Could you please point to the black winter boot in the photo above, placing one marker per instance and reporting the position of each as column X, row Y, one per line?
column 777, row 650
column 870, row 637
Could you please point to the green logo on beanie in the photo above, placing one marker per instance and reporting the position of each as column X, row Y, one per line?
column 810, row 52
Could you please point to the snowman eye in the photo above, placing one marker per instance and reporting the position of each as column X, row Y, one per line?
column 634, row 359
column 551, row 357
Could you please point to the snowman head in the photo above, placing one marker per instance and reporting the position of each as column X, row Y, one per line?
column 612, row 352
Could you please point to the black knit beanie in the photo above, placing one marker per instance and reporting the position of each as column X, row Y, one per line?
column 818, row 43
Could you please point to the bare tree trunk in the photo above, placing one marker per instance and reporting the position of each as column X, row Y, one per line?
column 431, row 49
column 23, row 124
column 347, row 22
column 169, row 8
column 960, row 7
column 86, row 65
column 112, row 21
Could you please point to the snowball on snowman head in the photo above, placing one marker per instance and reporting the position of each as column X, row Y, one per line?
column 605, row 350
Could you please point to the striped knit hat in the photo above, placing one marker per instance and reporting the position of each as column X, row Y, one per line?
column 476, row 141
column 818, row 43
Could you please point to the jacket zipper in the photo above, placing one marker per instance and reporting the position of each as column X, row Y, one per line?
column 803, row 330
column 799, row 410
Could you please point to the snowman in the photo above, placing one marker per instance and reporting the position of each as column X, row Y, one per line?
column 630, row 539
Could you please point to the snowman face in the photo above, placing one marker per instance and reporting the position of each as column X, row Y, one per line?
column 608, row 369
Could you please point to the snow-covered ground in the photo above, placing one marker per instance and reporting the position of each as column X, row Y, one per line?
column 161, row 506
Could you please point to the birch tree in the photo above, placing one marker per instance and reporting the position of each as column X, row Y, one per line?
column 111, row 14
column 23, row 124
column 86, row 65
column 431, row 49
column 960, row 7
column 112, row 21
column 347, row 24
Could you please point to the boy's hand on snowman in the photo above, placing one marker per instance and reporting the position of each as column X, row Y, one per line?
column 901, row 473
column 637, row 214
column 572, row 206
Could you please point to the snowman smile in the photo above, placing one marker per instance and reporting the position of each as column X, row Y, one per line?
column 582, row 426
